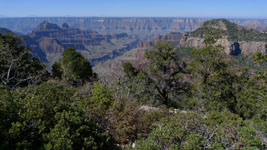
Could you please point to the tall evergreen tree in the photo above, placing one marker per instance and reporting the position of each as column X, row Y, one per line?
column 73, row 67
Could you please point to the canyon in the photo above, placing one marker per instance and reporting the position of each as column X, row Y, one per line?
column 109, row 41
column 236, row 40
column 48, row 41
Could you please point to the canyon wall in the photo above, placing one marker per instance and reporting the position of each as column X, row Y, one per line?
column 48, row 42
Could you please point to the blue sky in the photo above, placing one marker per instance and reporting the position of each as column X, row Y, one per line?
column 138, row 8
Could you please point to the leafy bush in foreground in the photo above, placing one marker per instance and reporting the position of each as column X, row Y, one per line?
column 49, row 119
column 192, row 131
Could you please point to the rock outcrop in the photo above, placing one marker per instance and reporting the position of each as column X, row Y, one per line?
column 235, row 38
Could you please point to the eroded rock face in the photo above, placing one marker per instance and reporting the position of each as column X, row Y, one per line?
column 68, row 37
column 252, row 47
column 245, row 48
column 226, row 29
column 48, row 42
column 219, row 25
column 197, row 42
column 172, row 38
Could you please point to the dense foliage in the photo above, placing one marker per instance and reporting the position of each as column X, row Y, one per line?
column 216, row 85
column 163, row 81
column 193, row 131
column 49, row 118
column 185, row 98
